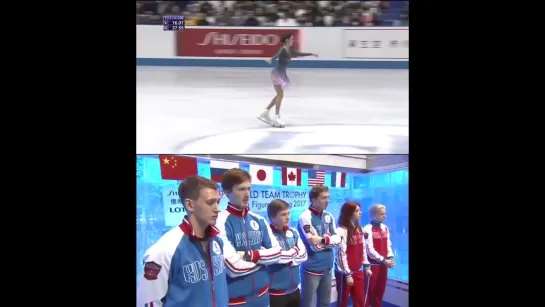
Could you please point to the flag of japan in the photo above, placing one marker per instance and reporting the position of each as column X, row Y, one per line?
column 261, row 175
column 291, row 176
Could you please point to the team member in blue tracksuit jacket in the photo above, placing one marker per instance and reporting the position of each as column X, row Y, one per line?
column 317, row 227
column 250, row 235
column 284, row 276
column 187, row 263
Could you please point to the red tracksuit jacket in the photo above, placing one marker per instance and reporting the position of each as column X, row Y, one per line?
column 377, row 239
column 351, row 252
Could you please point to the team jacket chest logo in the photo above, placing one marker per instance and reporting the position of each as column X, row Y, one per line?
column 322, row 226
column 289, row 234
column 254, row 225
column 251, row 237
column 198, row 271
column 356, row 238
column 379, row 234
column 286, row 242
column 327, row 220
column 216, row 248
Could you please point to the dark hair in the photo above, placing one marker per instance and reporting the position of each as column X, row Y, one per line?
column 347, row 211
column 316, row 190
column 191, row 187
column 233, row 177
column 284, row 38
column 275, row 207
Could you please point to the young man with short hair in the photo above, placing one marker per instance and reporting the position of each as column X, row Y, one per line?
column 251, row 237
column 284, row 276
column 318, row 229
column 186, row 263
column 379, row 253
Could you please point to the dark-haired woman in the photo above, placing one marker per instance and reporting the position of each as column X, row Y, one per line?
column 280, row 79
column 351, row 258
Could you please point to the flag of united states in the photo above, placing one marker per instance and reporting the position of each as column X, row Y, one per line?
column 316, row 177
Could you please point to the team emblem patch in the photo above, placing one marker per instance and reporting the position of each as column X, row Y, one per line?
column 365, row 235
column 254, row 225
column 216, row 248
column 306, row 228
column 151, row 270
column 289, row 234
column 328, row 219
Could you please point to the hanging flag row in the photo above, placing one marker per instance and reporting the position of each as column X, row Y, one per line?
column 179, row 167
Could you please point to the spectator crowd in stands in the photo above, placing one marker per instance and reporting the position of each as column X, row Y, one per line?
column 277, row 13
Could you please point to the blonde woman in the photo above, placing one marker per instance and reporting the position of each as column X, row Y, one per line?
column 379, row 253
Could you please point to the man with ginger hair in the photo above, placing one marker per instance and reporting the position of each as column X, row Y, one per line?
column 250, row 235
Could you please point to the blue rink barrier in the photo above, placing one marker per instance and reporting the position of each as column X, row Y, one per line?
column 262, row 63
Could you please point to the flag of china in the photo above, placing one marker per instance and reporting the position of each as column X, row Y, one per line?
column 177, row 167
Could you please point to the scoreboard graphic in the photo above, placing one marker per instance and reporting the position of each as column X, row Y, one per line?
column 173, row 23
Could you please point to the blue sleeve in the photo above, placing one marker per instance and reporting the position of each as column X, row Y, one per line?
column 332, row 240
column 267, row 243
column 332, row 228
column 229, row 234
column 236, row 266
column 271, row 251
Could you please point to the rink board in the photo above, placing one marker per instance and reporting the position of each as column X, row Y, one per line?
column 341, row 48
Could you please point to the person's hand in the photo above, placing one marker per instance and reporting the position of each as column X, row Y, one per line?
column 268, row 61
column 389, row 263
column 315, row 240
column 368, row 272
column 349, row 281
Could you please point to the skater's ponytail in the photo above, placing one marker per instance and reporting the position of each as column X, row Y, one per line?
column 284, row 38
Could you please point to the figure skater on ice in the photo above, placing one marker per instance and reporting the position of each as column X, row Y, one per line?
column 280, row 79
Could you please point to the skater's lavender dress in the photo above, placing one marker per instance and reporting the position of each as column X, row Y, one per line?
column 278, row 74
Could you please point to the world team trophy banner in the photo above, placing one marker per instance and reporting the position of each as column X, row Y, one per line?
column 260, row 197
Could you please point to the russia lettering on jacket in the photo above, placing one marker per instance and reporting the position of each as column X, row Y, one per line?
column 179, row 271
column 284, row 276
column 245, row 231
column 320, row 257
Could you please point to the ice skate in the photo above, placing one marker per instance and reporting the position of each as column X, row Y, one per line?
column 266, row 117
column 277, row 122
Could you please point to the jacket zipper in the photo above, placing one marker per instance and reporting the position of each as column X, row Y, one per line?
column 211, row 271
column 248, row 247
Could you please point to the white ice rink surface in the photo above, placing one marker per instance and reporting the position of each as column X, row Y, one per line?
column 194, row 110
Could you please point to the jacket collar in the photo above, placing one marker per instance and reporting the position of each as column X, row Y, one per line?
column 315, row 211
column 237, row 211
column 279, row 229
column 375, row 223
column 186, row 227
